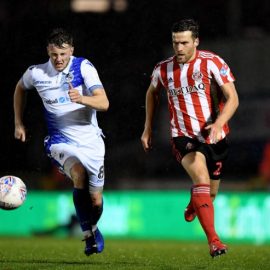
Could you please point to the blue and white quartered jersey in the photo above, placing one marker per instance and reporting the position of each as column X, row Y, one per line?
column 67, row 121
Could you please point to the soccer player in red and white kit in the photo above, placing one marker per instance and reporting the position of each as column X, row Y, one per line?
column 202, row 99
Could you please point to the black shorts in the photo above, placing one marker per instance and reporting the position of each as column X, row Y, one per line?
column 215, row 154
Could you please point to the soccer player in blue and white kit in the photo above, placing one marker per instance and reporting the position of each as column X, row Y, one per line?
column 71, row 92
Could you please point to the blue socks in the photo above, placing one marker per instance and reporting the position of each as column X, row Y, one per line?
column 87, row 215
column 82, row 203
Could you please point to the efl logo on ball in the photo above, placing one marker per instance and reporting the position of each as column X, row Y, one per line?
column 12, row 192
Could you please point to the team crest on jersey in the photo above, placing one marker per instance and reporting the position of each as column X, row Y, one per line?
column 224, row 70
column 197, row 76
column 69, row 77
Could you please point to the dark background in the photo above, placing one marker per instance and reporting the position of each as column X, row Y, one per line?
column 124, row 47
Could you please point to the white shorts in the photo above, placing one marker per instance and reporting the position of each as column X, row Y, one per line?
column 91, row 156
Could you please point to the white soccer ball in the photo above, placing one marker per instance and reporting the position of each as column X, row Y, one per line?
column 12, row 192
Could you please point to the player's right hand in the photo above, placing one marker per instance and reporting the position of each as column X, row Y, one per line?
column 20, row 133
column 146, row 140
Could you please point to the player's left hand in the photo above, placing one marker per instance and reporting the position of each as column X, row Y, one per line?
column 215, row 132
column 74, row 94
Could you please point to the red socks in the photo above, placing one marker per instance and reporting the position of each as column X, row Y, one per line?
column 203, row 206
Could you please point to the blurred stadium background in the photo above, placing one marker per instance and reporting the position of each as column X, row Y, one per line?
column 124, row 39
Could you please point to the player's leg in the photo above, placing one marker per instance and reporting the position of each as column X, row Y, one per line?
column 81, row 198
column 181, row 146
column 93, row 159
column 216, row 247
column 190, row 213
column 95, row 241
column 214, row 187
column 215, row 155
column 97, row 206
column 195, row 165
column 65, row 157
column 88, row 202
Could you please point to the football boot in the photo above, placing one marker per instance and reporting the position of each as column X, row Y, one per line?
column 94, row 243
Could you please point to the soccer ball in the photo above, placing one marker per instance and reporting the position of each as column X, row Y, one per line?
column 12, row 192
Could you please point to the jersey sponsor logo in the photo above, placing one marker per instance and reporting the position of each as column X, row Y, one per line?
column 51, row 101
column 57, row 100
column 186, row 89
column 42, row 82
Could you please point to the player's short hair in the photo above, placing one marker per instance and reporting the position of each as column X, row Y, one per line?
column 60, row 36
column 186, row 25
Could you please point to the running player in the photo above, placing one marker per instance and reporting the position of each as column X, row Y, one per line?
column 202, row 98
column 71, row 92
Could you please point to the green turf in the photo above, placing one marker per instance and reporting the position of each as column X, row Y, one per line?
column 57, row 253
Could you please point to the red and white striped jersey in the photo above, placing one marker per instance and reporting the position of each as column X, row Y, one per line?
column 194, row 95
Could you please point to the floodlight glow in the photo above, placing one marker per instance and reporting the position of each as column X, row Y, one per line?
column 99, row 6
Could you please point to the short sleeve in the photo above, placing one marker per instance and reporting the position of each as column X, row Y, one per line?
column 27, row 78
column 221, row 71
column 155, row 77
column 90, row 76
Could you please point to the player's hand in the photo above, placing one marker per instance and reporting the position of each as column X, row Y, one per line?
column 146, row 140
column 74, row 94
column 215, row 132
column 20, row 133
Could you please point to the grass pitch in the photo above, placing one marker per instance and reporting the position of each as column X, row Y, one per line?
column 42, row 253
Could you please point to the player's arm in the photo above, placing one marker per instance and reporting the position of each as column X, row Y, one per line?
column 97, row 101
column 151, row 102
column 18, row 105
column 231, row 104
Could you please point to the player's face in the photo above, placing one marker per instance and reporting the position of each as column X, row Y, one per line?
column 60, row 56
column 184, row 45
